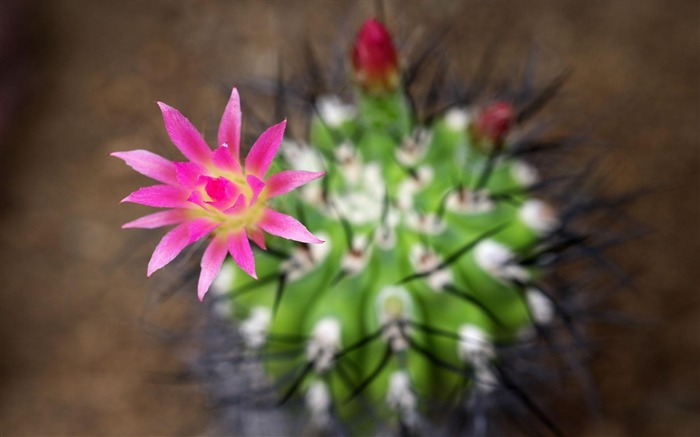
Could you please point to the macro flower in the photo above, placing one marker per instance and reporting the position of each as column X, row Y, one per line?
column 216, row 194
column 374, row 58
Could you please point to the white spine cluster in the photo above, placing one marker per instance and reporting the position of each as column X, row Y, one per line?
column 394, row 307
column 414, row 147
column 523, row 173
column 429, row 224
column 475, row 348
column 425, row 260
column 304, row 259
column 364, row 200
column 223, row 306
column 318, row 401
column 324, row 344
column 350, row 162
column 465, row 201
column 408, row 188
column 303, row 157
column 333, row 111
column 386, row 237
column 499, row 261
column 400, row 396
column 355, row 260
column 541, row 307
column 254, row 328
column 539, row 216
column 457, row 119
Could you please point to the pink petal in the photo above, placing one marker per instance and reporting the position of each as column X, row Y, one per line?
column 258, row 237
column 223, row 159
column 177, row 239
column 197, row 199
column 256, row 185
column 221, row 205
column 169, row 247
column 237, row 207
column 230, row 126
column 185, row 136
column 188, row 173
column 211, row 263
column 287, row 227
column 264, row 150
column 159, row 196
column 285, row 181
column 149, row 164
column 239, row 247
column 158, row 219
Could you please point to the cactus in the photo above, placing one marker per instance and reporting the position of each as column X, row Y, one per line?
column 436, row 244
column 432, row 290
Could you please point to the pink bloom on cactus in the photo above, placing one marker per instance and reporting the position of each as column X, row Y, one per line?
column 374, row 58
column 215, row 193
column 495, row 121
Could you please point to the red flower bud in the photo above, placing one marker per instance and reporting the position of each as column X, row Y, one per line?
column 374, row 58
column 495, row 121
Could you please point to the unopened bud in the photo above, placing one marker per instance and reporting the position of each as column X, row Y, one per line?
column 374, row 59
column 494, row 122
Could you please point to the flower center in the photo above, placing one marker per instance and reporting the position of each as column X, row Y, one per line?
column 220, row 189
column 231, row 201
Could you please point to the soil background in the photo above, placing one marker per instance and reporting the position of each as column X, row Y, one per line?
column 82, row 349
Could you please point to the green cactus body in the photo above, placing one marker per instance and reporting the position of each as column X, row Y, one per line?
column 417, row 278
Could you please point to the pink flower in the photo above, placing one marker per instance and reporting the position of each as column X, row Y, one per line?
column 215, row 193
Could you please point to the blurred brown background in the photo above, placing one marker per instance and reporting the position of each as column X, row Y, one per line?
column 80, row 79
